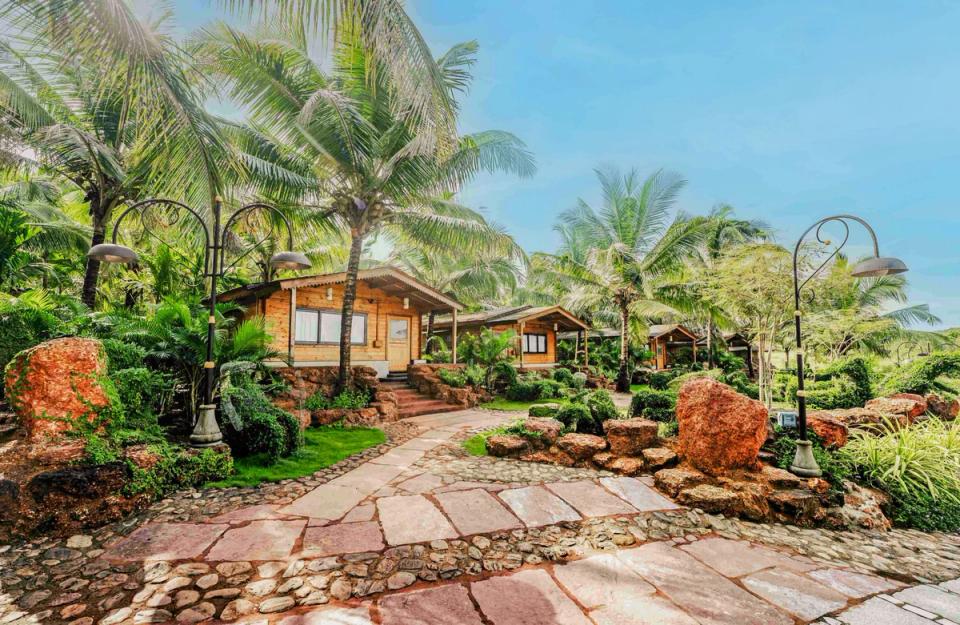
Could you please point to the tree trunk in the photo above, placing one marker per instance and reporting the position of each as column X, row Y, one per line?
column 430, row 320
column 709, row 344
column 623, row 375
column 91, row 275
column 346, row 320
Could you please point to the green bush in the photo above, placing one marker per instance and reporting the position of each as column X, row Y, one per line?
column 601, row 407
column 255, row 425
column 22, row 327
column 543, row 410
column 918, row 465
column 579, row 381
column 660, row 379
column 563, row 376
column 571, row 415
column 920, row 376
column 678, row 381
column 178, row 468
column 653, row 405
column 345, row 400
column 835, row 468
column 523, row 390
column 123, row 354
column 505, row 374
column 844, row 384
column 550, row 389
column 452, row 377
column 475, row 375
column 728, row 361
column 837, row 392
column 142, row 392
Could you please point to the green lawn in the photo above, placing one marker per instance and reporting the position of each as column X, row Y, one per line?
column 502, row 403
column 322, row 447
column 639, row 387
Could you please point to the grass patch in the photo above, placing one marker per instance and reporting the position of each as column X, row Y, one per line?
column 502, row 403
column 322, row 447
column 634, row 388
column 476, row 445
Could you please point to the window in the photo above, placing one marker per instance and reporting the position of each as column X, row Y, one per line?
column 323, row 326
column 534, row 343
column 399, row 329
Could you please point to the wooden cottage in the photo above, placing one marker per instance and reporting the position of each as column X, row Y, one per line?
column 738, row 345
column 665, row 340
column 536, row 328
column 303, row 317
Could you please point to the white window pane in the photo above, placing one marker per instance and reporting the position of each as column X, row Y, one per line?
column 358, row 331
column 306, row 321
column 330, row 327
column 542, row 343
column 526, row 342
column 399, row 329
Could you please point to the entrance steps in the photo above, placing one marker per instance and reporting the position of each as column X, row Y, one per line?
column 412, row 403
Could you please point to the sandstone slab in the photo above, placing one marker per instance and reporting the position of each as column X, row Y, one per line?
column 507, row 445
column 330, row 616
column 590, row 500
column 537, row 506
column 528, row 597
column 260, row 540
column 852, row 584
column 166, row 541
column 328, row 501
column 735, row 558
column 412, row 519
column 444, row 605
column 601, row 580
column 581, row 446
column 476, row 512
column 342, row 538
column 796, row 594
column 877, row 611
column 637, row 494
column 933, row 599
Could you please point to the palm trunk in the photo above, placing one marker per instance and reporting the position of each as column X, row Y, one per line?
column 346, row 321
column 623, row 375
column 430, row 320
column 91, row 274
column 709, row 344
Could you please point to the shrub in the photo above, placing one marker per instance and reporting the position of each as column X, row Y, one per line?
column 543, row 410
column 178, row 468
column 523, row 390
column 123, row 354
column 563, row 376
column 142, row 392
column 835, row 468
column 570, row 415
column 22, row 327
column 475, row 375
column 549, row 389
column 668, row 429
column 255, row 425
column 728, row 361
column 452, row 377
column 504, row 373
column 348, row 399
column 920, row 376
column 837, row 392
column 601, row 407
column 918, row 465
column 678, row 381
column 660, row 379
column 653, row 405
column 579, row 380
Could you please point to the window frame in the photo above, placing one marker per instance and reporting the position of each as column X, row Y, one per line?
column 333, row 311
column 546, row 344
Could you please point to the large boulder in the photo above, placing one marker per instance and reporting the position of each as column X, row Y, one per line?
column 54, row 384
column 904, row 404
column 720, row 429
column 831, row 430
column 629, row 437
column 851, row 417
column 581, row 446
column 946, row 409
column 548, row 429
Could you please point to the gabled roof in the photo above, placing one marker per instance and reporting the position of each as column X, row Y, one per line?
column 659, row 330
column 386, row 278
column 514, row 314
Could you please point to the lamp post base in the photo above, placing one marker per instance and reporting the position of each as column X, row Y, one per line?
column 804, row 464
column 206, row 433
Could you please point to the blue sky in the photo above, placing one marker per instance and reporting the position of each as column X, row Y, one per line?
column 788, row 111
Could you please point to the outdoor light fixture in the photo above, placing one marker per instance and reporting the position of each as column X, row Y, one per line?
column 406, row 303
column 112, row 253
column 206, row 431
column 804, row 464
column 329, row 293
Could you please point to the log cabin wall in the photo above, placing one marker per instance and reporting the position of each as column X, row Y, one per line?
column 530, row 327
column 375, row 303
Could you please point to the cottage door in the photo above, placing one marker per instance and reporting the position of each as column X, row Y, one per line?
column 398, row 342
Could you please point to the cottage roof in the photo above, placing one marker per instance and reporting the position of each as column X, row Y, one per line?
column 516, row 314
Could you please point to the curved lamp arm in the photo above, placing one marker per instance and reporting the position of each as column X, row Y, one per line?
column 234, row 218
column 140, row 209
column 842, row 219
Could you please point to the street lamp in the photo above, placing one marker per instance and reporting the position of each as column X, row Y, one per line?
column 206, row 432
column 804, row 463
column 910, row 345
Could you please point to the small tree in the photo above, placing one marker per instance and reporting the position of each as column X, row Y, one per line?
column 488, row 349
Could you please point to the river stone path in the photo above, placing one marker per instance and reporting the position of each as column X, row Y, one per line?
column 417, row 531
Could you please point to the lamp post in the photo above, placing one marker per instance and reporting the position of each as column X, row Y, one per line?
column 804, row 463
column 206, row 432
column 911, row 345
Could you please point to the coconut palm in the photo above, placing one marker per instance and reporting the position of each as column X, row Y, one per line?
column 615, row 261
column 331, row 139
column 91, row 95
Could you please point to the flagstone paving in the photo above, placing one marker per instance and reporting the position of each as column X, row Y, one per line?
column 418, row 532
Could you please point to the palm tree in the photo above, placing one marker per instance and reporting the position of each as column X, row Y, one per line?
column 723, row 232
column 97, row 98
column 333, row 139
column 615, row 261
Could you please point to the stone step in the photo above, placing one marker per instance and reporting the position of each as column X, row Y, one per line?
column 414, row 409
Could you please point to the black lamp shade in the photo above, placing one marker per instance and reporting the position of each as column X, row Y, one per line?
column 112, row 253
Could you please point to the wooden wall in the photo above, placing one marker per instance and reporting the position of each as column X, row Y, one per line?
column 374, row 302
column 531, row 327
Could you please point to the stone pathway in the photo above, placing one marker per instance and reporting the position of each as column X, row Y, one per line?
column 419, row 532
